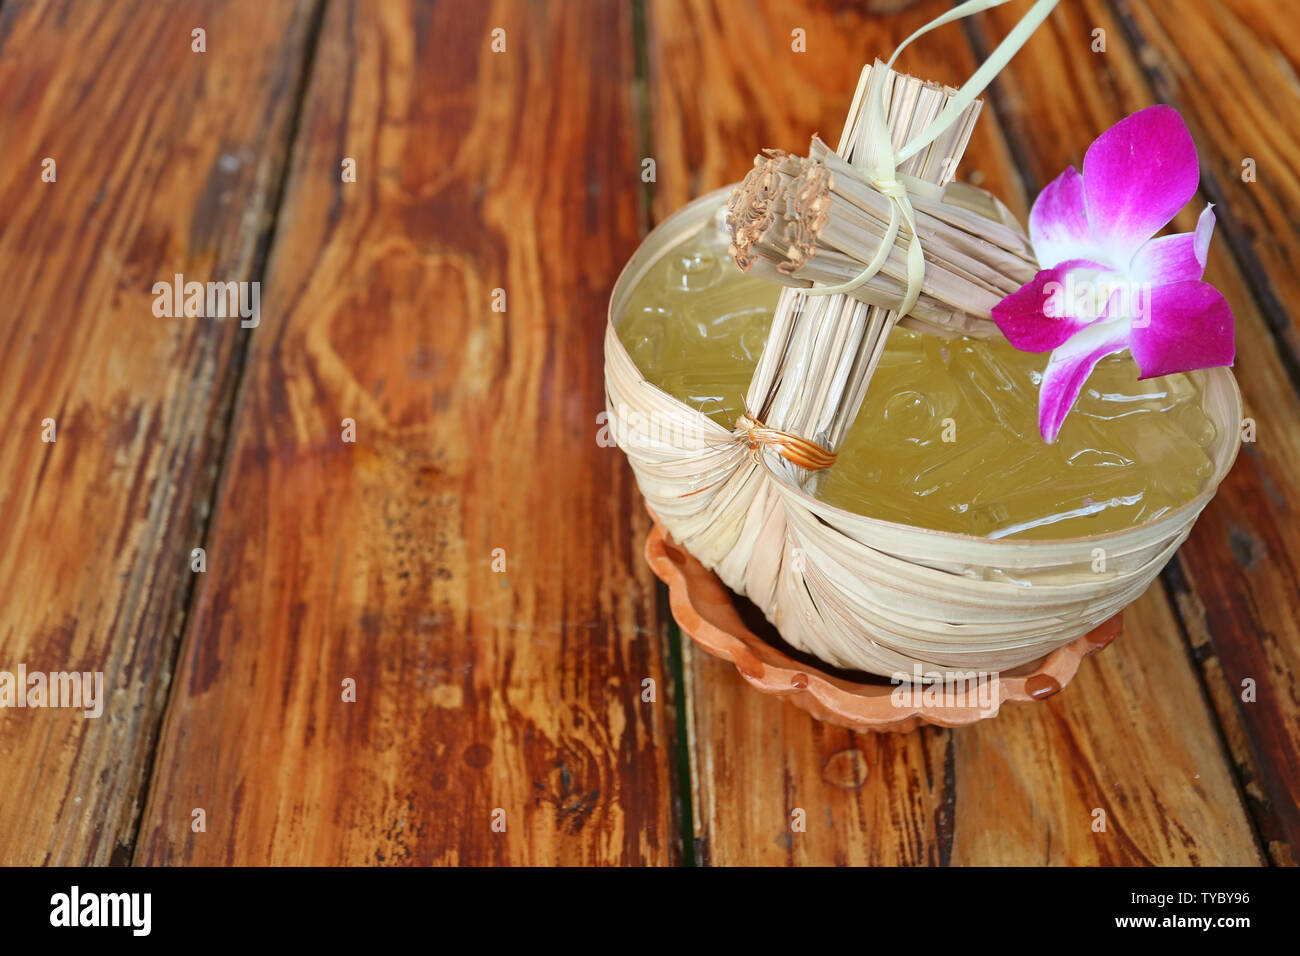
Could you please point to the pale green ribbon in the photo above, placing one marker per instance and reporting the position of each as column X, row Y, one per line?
column 885, row 177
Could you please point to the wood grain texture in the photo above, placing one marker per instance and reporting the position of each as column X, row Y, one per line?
column 1231, row 69
column 1133, row 735
column 165, row 160
column 476, row 691
column 1238, row 571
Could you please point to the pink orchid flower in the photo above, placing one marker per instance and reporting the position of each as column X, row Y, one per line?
column 1106, row 285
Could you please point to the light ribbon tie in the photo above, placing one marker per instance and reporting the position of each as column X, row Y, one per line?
column 885, row 177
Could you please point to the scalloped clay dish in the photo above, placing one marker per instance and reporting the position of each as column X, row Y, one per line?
column 721, row 623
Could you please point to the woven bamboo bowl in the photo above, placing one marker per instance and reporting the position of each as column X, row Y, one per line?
column 872, row 595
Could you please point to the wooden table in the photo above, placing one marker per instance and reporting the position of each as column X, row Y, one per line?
column 471, row 563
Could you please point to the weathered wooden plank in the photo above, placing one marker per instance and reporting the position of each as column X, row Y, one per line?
column 1240, row 564
column 1132, row 736
column 1230, row 68
column 714, row 105
column 165, row 160
column 476, row 430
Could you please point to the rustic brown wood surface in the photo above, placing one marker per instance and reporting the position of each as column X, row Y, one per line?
column 508, row 694
column 165, row 162
column 431, row 644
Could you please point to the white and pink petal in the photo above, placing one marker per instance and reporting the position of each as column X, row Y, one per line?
column 1058, row 223
column 1176, row 258
column 1068, row 369
column 1050, row 308
column 1137, row 176
column 1167, row 259
column 1204, row 230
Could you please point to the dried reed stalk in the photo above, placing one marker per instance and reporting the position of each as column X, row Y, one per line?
column 823, row 350
column 799, row 221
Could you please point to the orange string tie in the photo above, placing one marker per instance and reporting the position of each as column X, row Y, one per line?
column 792, row 448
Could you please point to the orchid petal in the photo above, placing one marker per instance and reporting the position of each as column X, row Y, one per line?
column 1187, row 325
column 1204, row 230
column 1068, row 369
column 1176, row 258
column 1167, row 259
column 1058, row 223
column 1041, row 314
column 1136, row 177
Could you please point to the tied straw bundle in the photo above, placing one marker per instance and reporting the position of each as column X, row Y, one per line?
column 881, row 221
column 799, row 221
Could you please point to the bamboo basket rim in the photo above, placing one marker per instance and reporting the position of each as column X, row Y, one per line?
column 641, row 260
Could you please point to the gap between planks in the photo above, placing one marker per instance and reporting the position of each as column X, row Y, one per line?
column 1173, row 579
column 231, row 390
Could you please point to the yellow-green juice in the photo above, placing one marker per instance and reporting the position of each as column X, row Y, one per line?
column 947, row 436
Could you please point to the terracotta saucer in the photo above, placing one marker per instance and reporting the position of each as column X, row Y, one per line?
column 725, row 625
